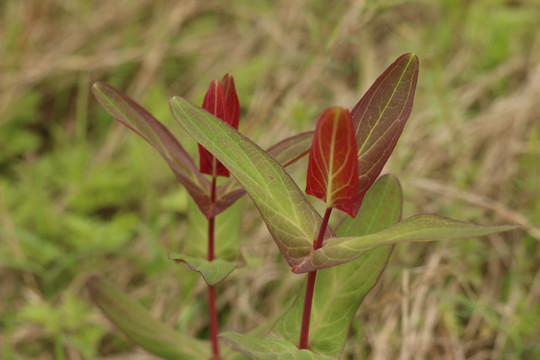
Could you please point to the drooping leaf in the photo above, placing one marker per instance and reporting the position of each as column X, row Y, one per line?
column 212, row 272
column 340, row 290
column 268, row 348
column 289, row 216
column 286, row 152
column 416, row 228
column 133, row 116
column 215, row 103
column 227, row 248
column 379, row 118
column 333, row 167
column 136, row 322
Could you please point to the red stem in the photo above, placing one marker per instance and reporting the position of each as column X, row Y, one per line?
column 310, row 286
column 211, row 288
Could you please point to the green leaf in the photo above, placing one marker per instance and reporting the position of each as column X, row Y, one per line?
column 417, row 228
column 136, row 322
column 379, row 118
column 340, row 290
column 227, row 248
column 288, row 214
column 212, row 271
column 285, row 152
column 136, row 118
column 268, row 348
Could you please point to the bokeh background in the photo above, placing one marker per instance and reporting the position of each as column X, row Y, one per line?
column 81, row 195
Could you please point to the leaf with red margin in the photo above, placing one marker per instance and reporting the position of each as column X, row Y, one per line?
column 133, row 116
column 332, row 169
column 215, row 103
column 379, row 118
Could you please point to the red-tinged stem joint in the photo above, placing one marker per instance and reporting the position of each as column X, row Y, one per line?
column 310, row 286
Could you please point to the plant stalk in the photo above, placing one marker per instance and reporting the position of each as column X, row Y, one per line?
column 211, row 288
column 310, row 286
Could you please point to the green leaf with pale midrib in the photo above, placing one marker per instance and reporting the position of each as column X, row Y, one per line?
column 269, row 348
column 212, row 272
column 136, row 322
column 417, row 228
column 289, row 216
column 340, row 290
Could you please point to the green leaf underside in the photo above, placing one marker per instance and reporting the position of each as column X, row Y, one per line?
column 288, row 214
column 133, row 116
column 340, row 290
column 212, row 272
column 285, row 152
column 332, row 169
column 152, row 335
column 416, row 228
column 379, row 119
column 268, row 348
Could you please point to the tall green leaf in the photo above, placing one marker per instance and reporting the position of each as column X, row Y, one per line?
column 136, row 322
column 288, row 214
column 379, row 118
column 417, row 228
column 340, row 290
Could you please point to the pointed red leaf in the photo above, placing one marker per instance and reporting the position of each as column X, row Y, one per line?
column 379, row 118
column 231, row 99
column 215, row 103
column 333, row 166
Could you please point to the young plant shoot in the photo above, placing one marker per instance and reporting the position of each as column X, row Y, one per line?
column 347, row 152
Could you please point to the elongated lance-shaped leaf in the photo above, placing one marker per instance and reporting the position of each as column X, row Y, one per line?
column 288, row 214
column 133, row 116
column 216, row 104
column 285, row 152
column 417, row 228
column 340, row 290
column 268, row 348
column 379, row 118
column 333, row 167
column 136, row 322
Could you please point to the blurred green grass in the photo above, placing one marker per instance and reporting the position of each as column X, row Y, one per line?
column 81, row 195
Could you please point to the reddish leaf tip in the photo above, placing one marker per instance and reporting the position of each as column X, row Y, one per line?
column 333, row 166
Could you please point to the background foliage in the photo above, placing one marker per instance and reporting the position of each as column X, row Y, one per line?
column 81, row 195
